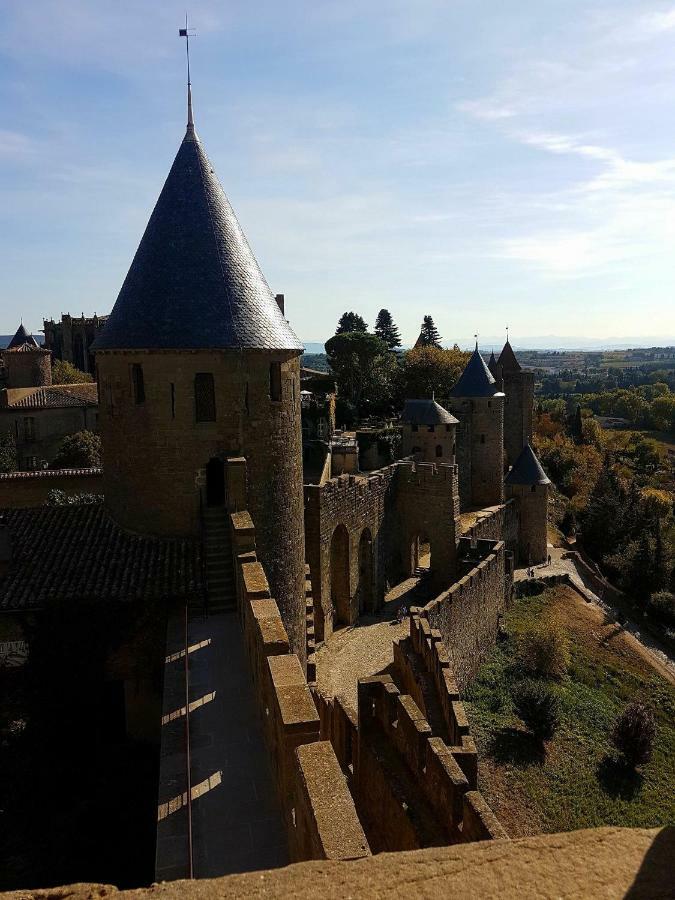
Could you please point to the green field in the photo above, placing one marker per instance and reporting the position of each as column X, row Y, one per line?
column 575, row 780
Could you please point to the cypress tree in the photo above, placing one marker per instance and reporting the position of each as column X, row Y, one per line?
column 429, row 336
column 386, row 329
column 350, row 322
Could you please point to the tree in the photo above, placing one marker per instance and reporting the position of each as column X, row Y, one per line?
column 65, row 373
column 350, row 322
column 429, row 336
column 7, row 452
column 633, row 734
column 78, row 451
column 538, row 706
column 431, row 370
column 358, row 360
column 386, row 330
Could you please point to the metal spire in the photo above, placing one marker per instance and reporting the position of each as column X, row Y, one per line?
column 185, row 32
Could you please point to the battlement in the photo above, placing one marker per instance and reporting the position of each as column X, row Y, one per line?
column 306, row 770
column 423, row 473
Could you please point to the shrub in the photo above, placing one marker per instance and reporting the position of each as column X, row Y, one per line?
column 78, row 451
column 545, row 652
column 662, row 607
column 538, row 706
column 633, row 734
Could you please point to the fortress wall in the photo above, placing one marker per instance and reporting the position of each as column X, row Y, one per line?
column 305, row 778
column 467, row 615
column 497, row 523
column 391, row 509
column 339, row 725
column 391, row 720
column 19, row 489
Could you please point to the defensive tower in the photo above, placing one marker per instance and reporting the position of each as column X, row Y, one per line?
column 197, row 364
column 518, row 387
column 429, row 432
column 27, row 364
column 529, row 484
column 479, row 405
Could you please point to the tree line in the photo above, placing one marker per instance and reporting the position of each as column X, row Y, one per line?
column 375, row 375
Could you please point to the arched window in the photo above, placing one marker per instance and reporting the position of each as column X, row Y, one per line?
column 439, row 450
column 205, row 397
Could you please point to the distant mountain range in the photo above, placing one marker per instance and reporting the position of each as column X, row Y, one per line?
column 549, row 342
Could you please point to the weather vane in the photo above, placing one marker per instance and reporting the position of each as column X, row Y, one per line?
column 186, row 32
column 507, row 332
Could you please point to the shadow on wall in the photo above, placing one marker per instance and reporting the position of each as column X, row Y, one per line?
column 656, row 869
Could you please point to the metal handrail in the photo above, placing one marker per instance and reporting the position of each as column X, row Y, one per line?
column 188, row 763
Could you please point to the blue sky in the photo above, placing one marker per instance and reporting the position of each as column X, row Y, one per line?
column 489, row 163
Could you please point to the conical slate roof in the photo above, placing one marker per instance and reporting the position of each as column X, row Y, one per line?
column 22, row 337
column 476, row 380
column 507, row 359
column 194, row 282
column 527, row 469
column 493, row 365
column 426, row 412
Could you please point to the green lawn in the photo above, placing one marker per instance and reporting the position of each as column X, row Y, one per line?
column 576, row 781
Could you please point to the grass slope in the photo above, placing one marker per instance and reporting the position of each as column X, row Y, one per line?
column 576, row 781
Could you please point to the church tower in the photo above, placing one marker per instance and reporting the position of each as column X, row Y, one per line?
column 479, row 405
column 518, row 387
column 197, row 364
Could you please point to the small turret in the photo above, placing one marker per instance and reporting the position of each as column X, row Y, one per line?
column 428, row 432
column 528, row 484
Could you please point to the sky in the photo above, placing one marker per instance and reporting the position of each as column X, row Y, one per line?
column 488, row 162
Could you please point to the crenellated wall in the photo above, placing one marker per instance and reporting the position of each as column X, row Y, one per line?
column 362, row 535
column 467, row 615
column 307, row 773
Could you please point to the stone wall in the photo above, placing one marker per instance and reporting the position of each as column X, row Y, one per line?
column 307, row 773
column 156, row 453
column 532, row 505
column 48, row 427
column 480, row 449
column 496, row 523
column 467, row 615
column 362, row 533
column 18, row 489
column 518, row 412
column 429, row 443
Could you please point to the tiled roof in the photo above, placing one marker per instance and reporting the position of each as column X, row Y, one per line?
column 426, row 412
column 507, row 359
column 493, row 365
column 527, row 469
column 21, row 338
column 62, row 553
column 476, row 380
column 194, row 282
column 56, row 397
column 48, row 473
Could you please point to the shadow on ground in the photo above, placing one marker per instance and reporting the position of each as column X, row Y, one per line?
column 511, row 745
column 617, row 778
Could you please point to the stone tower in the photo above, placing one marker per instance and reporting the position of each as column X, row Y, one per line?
column 518, row 387
column 197, row 364
column 428, row 432
column 528, row 484
column 479, row 405
column 26, row 363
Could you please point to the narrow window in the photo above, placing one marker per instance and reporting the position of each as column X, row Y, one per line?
column 275, row 381
column 29, row 430
column 246, row 406
column 447, row 427
column 205, row 397
column 415, row 428
column 431, row 429
column 172, row 390
column 439, row 450
column 533, row 488
column 489, row 404
column 482, row 438
column 138, row 383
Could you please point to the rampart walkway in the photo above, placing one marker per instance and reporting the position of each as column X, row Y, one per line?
column 236, row 821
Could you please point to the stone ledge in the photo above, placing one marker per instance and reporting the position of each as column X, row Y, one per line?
column 597, row 863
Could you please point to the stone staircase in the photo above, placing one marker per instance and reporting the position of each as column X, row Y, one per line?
column 218, row 565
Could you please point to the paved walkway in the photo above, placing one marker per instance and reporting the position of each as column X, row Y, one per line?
column 561, row 565
column 236, row 820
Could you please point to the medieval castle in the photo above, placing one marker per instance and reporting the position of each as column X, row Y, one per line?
column 199, row 411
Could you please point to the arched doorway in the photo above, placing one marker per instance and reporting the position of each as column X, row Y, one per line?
column 419, row 554
column 339, row 576
column 365, row 589
column 215, row 482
